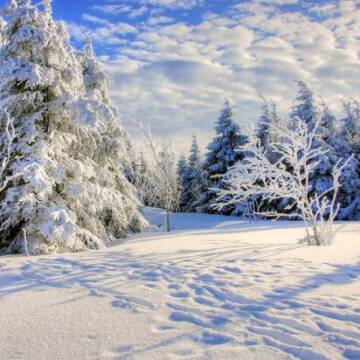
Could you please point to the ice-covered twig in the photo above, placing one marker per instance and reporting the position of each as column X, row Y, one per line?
column 289, row 177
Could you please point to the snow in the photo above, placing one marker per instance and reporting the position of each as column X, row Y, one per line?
column 213, row 288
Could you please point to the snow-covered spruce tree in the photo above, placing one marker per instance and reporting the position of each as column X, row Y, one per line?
column 307, row 110
column 267, row 121
column 347, row 143
column 264, row 124
column 351, row 123
column 322, row 178
column 193, row 180
column 304, row 107
column 67, row 189
column 289, row 177
column 269, row 117
column 181, row 172
column 222, row 153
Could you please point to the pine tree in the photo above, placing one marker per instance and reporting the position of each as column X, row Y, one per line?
column 338, row 146
column 222, row 153
column 181, row 167
column 193, row 180
column 182, row 171
column 348, row 143
column 304, row 108
column 257, row 176
column 326, row 139
column 268, row 120
column 68, row 189
column 263, row 127
column 351, row 124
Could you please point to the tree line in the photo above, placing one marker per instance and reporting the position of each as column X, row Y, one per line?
column 203, row 181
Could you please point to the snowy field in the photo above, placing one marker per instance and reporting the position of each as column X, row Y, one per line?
column 214, row 288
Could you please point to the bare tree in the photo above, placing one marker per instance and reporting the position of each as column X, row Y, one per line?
column 298, row 156
column 161, row 176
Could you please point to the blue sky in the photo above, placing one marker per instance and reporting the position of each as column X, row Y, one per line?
column 173, row 62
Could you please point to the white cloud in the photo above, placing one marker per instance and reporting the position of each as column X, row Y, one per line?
column 157, row 20
column 94, row 19
column 115, row 9
column 173, row 4
column 102, row 31
column 278, row 2
column 175, row 76
column 323, row 9
column 141, row 7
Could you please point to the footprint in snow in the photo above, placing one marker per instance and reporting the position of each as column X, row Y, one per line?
column 97, row 293
column 219, row 320
column 174, row 286
column 352, row 354
column 180, row 294
column 203, row 301
column 232, row 269
column 210, row 338
column 133, row 304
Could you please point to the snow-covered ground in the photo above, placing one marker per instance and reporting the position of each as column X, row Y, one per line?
column 215, row 288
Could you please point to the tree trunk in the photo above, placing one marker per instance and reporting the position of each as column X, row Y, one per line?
column 23, row 230
column 316, row 234
column 167, row 220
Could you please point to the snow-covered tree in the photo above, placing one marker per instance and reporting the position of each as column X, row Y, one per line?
column 162, row 176
column 351, row 123
column 222, row 153
column 289, row 177
column 141, row 180
column 8, row 137
column 193, row 184
column 347, row 143
column 181, row 167
column 68, row 189
column 327, row 124
column 267, row 121
column 223, row 148
column 304, row 107
column 182, row 171
column 264, row 124
column 321, row 178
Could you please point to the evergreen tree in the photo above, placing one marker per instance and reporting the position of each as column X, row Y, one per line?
column 264, row 131
column 268, row 121
column 182, row 167
column 222, row 153
column 326, row 139
column 327, row 123
column 338, row 145
column 304, row 108
column 348, row 143
column 351, row 124
column 263, row 127
column 182, row 171
column 67, row 189
column 192, row 182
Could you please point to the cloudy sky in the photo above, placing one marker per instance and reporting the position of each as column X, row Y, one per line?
column 173, row 62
